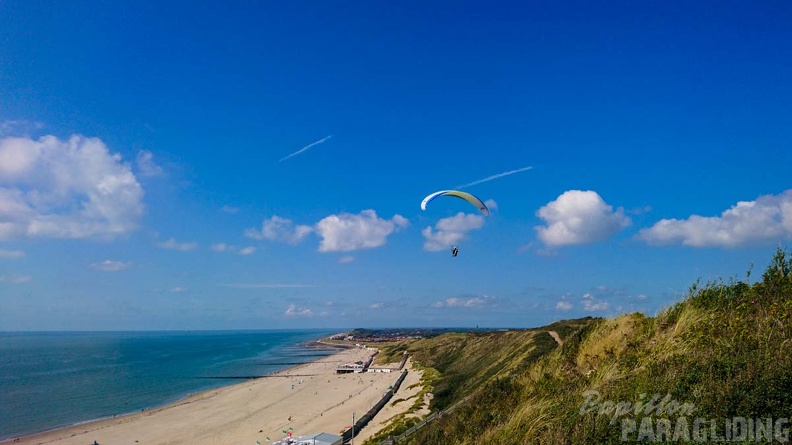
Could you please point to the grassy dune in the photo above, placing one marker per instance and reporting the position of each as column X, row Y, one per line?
column 723, row 352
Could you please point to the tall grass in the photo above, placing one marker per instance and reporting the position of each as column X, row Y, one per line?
column 724, row 350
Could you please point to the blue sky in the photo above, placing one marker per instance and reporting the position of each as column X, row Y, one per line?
column 247, row 165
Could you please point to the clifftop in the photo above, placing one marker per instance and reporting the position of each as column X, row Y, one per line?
column 720, row 355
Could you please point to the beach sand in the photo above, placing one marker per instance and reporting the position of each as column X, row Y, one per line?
column 313, row 396
column 401, row 402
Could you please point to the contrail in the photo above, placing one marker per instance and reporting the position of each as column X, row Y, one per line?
column 306, row 148
column 493, row 177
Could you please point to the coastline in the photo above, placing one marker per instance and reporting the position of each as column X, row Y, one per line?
column 246, row 411
column 315, row 344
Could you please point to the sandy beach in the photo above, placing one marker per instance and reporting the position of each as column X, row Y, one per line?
column 399, row 404
column 309, row 398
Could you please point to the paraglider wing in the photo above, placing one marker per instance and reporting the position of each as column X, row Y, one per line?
column 464, row 195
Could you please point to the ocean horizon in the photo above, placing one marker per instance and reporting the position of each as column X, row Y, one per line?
column 55, row 379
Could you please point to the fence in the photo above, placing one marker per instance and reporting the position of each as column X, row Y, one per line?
column 366, row 418
column 394, row 440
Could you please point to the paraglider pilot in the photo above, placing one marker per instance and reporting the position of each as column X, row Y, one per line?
column 454, row 251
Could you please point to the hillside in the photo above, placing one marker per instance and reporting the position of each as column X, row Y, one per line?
column 715, row 365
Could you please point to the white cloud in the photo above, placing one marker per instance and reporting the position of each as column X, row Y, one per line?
column 592, row 304
column 471, row 302
column 579, row 217
column 491, row 204
column 146, row 165
column 294, row 311
column 563, row 304
column 175, row 245
column 377, row 306
column 279, row 229
column 595, row 306
column 11, row 254
column 247, row 250
column 178, row 290
column 346, row 259
column 449, row 231
column 111, row 266
column 65, row 189
column 347, row 232
column 229, row 209
column 17, row 279
column 222, row 247
column 767, row 219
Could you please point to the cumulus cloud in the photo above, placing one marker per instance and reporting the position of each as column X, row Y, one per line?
column 11, row 254
column 146, row 165
column 563, row 304
column 175, row 245
column 579, row 217
column 111, row 266
column 469, row 302
column 347, row 232
column 279, row 229
column 222, row 247
column 294, row 311
column 247, row 250
column 767, row 219
column 449, row 231
column 75, row 188
column 592, row 304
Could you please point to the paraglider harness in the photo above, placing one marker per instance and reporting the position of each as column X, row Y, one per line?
column 454, row 251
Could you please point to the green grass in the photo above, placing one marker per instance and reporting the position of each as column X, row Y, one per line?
column 724, row 350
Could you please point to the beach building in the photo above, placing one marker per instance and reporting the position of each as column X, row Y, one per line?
column 350, row 367
column 311, row 439
column 381, row 370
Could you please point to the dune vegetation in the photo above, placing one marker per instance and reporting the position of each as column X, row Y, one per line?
column 721, row 353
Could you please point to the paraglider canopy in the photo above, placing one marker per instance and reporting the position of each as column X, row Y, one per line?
column 463, row 195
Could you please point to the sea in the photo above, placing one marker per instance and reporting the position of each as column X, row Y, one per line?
column 55, row 379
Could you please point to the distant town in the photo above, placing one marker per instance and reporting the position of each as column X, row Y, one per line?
column 398, row 334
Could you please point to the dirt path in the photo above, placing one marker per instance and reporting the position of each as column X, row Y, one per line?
column 557, row 338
